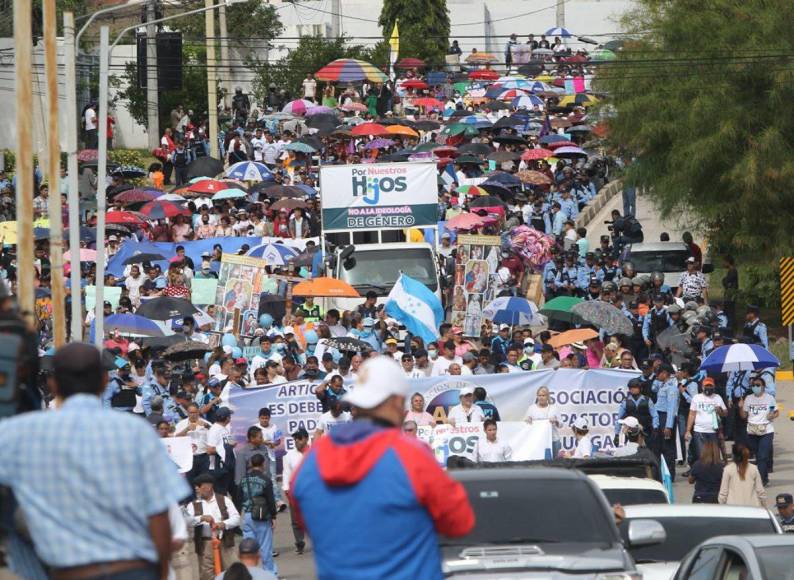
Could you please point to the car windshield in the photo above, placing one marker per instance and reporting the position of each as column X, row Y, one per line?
column 661, row 261
column 378, row 270
column 775, row 562
column 634, row 496
column 521, row 511
column 686, row 532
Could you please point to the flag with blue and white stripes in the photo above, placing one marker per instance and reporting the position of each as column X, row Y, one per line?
column 415, row 306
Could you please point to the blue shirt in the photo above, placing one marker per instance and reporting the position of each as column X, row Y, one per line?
column 667, row 400
column 646, row 323
column 89, row 480
column 154, row 389
column 738, row 384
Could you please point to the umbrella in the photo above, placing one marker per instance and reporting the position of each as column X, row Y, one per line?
column 355, row 108
column 476, row 149
column 571, row 336
column 166, row 308
column 534, row 177
column 379, row 143
column 171, row 197
column 504, row 94
column 510, row 140
column 579, row 129
column 472, row 190
column 468, row 159
column 535, row 154
column 559, row 31
column 86, row 255
column 495, row 188
column 569, row 152
column 549, row 139
column 204, row 167
column 401, row 130
column 329, row 287
column 604, row 316
column 527, row 102
column 273, row 254
column 142, row 257
column 369, row 129
column 346, row 70
column 504, row 178
column 87, row 155
column 557, row 144
column 299, row 147
column 289, row 203
column 512, row 310
column 207, row 186
column 163, row 209
column 482, row 57
column 129, row 171
column 414, row 84
column 614, row 45
column 513, row 83
column 602, row 55
column 560, row 309
column 342, row 133
column 486, row 201
column 410, row 63
column 427, row 125
column 319, row 119
column 133, row 324
column 484, row 75
column 465, row 221
column 271, row 190
column 123, row 217
column 272, row 304
column 675, row 342
column 508, row 123
column 137, row 196
column 739, row 357
column 428, row 103
column 320, row 110
column 532, row 68
column 501, row 156
column 160, row 342
column 249, row 171
column 581, row 99
column 186, row 350
column 348, row 344
column 231, row 193
column 297, row 107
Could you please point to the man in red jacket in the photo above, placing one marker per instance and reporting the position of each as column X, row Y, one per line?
column 375, row 493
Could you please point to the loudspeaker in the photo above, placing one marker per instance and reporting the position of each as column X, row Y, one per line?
column 169, row 61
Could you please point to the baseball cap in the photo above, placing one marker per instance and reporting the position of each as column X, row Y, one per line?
column 446, row 235
column 504, row 327
column 529, row 341
column 240, row 361
column 581, row 424
column 223, row 413
column 248, row 546
column 690, row 260
column 708, row 381
column 783, row 500
column 227, row 349
column 630, row 422
column 391, row 340
column 378, row 379
column 213, row 382
column 468, row 357
column 466, row 391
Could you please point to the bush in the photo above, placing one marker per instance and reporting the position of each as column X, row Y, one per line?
column 10, row 160
column 760, row 284
column 127, row 157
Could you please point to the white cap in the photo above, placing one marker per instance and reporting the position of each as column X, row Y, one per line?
column 133, row 347
column 466, row 391
column 581, row 424
column 227, row 349
column 288, row 330
column 630, row 422
column 378, row 379
column 529, row 341
column 504, row 327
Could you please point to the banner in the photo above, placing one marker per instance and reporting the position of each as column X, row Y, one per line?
column 180, row 450
column 594, row 394
column 203, row 291
column 475, row 267
column 378, row 196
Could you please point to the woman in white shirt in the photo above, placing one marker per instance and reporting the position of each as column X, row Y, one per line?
column 467, row 411
column 491, row 449
column 584, row 445
column 543, row 410
column 759, row 409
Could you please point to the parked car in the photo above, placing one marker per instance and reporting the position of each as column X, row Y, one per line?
column 541, row 522
column 668, row 258
column 687, row 525
column 765, row 557
column 631, row 490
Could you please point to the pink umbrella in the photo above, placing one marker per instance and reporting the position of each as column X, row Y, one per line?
column 86, row 255
column 354, row 107
column 465, row 221
column 318, row 110
column 379, row 144
column 298, row 107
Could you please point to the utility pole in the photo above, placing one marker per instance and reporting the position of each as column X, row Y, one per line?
column 23, row 56
column 561, row 13
column 212, row 105
column 73, row 196
column 336, row 18
column 226, row 67
column 54, row 177
column 152, row 94
column 101, row 196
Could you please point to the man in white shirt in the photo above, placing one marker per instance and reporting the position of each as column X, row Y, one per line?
column 273, row 439
column 197, row 429
column 490, row 449
column 267, row 353
column 219, row 437
column 441, row 364
column 334, row 416
column 258, row 142
column 90, row 122
column 512, row 361
column 212, row 510
column 292, row 461
column 407, row 363
column 309, row 87
column 466, row 411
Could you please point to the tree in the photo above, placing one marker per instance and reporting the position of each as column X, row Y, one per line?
column 249, row 23
column 423, row 27
column 701, row 101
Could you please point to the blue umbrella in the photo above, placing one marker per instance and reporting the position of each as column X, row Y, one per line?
column 527, row 102
column 558, row 31
column 513, row 311
column 231, row 193
column 249, row 171
column 545, row 140
column 310, row 191
column 506, row 179
column 133, row 324
column 275, row 254
column 739, row 357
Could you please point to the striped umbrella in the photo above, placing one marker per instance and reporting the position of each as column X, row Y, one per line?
column 739, row 357
column 559, row 31
column 274, row 254
column 163, row 209
column 527, row 102
column 298, row 107
column 472, row 190
column 513, row 311
column 249, row 171
column 350, row 70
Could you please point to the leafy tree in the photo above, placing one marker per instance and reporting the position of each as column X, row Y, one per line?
column 423, row 27
column 246, row 21
column 700, row 100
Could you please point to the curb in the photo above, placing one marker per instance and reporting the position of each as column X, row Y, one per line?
column 784, row 376
column 607, row 192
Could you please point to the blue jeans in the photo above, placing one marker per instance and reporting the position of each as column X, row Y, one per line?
column 629, row 200
column 761, row 447
column 277, row 494
column 262, row 532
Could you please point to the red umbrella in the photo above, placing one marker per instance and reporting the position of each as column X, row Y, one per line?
column 369, row 129
column 87, row 155
column 410, row 63
column 137, row 195
column 428, row 103
column 415, row 84
column 163, row 209
column 445, row 151
column 464, row 221
column 559, row 144
column 123, row 217
column 208, row 186
column 535, row 154
column 575, row 58
column 484, row 75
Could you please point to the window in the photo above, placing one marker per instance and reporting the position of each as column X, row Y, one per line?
column 704, row 565
column 775, row 562
column 735, row 567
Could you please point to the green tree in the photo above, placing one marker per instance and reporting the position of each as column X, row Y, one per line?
column 423, row 27
column 700, row 101
column 249, row 23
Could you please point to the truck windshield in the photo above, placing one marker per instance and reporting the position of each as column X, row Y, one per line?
column 662, row 261
column 378, row 270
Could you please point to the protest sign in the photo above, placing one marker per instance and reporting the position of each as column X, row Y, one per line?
column 203, row 291
column 112, row 294
column 180, row 450
column 378, row 196
column 475, row 270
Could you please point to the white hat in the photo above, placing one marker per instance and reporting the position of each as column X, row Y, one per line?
column 504, row 327
column 227, row 349
column 581, row 424
column 466, row 391
column 133, row 347
column 578, row 344
column 630, row 422
column 378, row 379
column 529, row 341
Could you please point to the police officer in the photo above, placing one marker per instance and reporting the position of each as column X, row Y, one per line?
column 624, row 285
column 590, row 268
column 667, row 397
column 785, row 507
column 593, row 289
column 605, row 250
column 567, row 279
column 640, row 407
column 550, row 271
column 657, row 320
column 754, row 331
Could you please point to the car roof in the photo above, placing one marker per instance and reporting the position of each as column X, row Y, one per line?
column 659, row 247
column 656, row 511
column 512, row 473
column 756, row 540
column 617, row 482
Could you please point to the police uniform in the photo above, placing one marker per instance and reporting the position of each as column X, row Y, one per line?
column 755, row 332
column 642, row 409
column 568, row 275
column 784, row 500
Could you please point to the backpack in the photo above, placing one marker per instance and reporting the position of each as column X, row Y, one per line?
column 198, row 510
column 180, row 158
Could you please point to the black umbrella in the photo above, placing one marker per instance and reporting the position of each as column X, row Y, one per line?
column 495, row 105
column 272, row 304
column 460, row 113
column 129, row 172
column 464, row 159
column 322, row 119
column 578, row 129
column 501, row 156
column 427, row 125
column 508, row 123
column 204, row 167
column 486, row 201
column 531, row 69
column 276, row 191
column 186, row 350
column 116, row 228
column 510, row 139
column 117, row 189
column 165, row 308
column 496, row 188
column 312, row 141
column 142, row 257
column 348, row 344
column 160, row 342
column 475, row 149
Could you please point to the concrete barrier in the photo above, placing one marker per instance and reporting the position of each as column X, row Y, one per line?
column 607, row 192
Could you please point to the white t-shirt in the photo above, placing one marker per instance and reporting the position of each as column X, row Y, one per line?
column 309, row 88
column 90, row 119
column 584, row 448
column 198, row 436
column 491, row 452
column 327, row 420
column 271, row 434
column 458, row 415
column 258, row 143
column 216, row 437
column 441, row 365
column 546, row 413
column 757, row 409
column 706, row 407
column 292, row 461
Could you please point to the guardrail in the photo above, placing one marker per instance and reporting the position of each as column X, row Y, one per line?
column 607, row 192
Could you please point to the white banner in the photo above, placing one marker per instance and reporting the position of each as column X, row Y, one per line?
column 375, row 196
column 180, row 450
